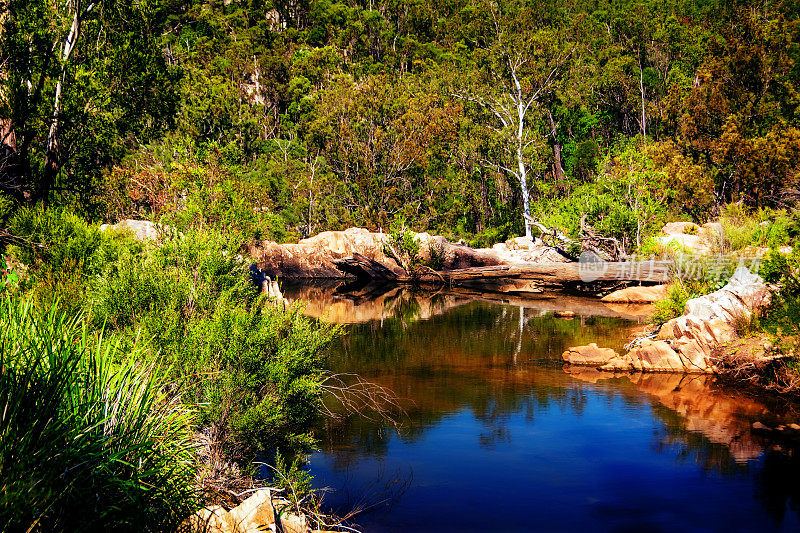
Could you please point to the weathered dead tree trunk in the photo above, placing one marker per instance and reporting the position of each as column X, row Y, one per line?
column 517, row 278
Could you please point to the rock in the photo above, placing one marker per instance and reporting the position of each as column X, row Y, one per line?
column 637, row 295
column 687, row 343
column 292, row 523
column 143, row 230
column 590, row 355
column 212, row 519
column 313, row 257
column 689, row 236
column 680, row 228
column 758, row 426
column 655, row 356
column 520, row 250
column 254, row 515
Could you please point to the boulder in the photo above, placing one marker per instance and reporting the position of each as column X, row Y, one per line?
column 212, row 519
column 520, row 250
column 744, row 293
column 680, row 228
column 655, row 356
column 689, row 236
column 589, row 355
column 143, row 230
column 637, row 295
column 313, row 257
column 253, row 515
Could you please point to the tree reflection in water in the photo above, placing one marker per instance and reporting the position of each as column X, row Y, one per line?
column 458, row 363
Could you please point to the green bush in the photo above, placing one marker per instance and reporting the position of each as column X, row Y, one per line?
column 436, row 254
column 679, row 293
column 61, row 240
column 86, row 444
column 402, row 241
column 269, row 365
column 194, row 303
column 762, row 228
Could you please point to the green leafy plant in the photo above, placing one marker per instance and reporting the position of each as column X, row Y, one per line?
column 436, row 254
column 8, row 277
column 403, row 244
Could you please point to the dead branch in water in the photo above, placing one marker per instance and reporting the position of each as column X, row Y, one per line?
column 361, row 397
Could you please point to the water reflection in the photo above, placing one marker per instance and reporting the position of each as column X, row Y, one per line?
column 496, row 427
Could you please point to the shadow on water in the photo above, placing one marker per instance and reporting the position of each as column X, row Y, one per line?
column 499, row 436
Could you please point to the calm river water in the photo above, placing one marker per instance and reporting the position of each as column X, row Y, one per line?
column 497, row 436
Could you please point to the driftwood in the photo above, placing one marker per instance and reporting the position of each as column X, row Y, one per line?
column 607, row 248
column 365, row 268
column 516, row 278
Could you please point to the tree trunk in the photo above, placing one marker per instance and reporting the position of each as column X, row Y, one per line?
column 558, row 168
column 641, row 91
column 51, row 163
column 523, row 183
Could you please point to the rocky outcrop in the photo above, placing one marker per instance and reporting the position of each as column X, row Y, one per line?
column 637, row 295
column 315, row 257
column 689, row 343
column 526, row 250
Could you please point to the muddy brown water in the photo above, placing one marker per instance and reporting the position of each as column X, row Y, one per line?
column 498, row 436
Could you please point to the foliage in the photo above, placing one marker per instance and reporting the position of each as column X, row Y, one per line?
column 783, row 316
column 86, row 443
column 8, row 276
column 436, row 254
column 767, row 228
column 269, row 364
column 193, row 302
column 80, row 80
column 403, row 242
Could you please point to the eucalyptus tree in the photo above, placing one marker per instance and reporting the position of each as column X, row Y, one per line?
column 519, row 58
column 81, row 81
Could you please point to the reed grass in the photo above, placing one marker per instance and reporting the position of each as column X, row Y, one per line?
column 86, row 444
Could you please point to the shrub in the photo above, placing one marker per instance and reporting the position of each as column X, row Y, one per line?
column 195, row 304
column 269, row 365
column 673, row 305
column 680, row 292
column 763, row 228
column 67, row 241
column 86, row 445
column 403, row 242
column 436, row 254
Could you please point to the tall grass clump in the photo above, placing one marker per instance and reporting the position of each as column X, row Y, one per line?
column 86, row 444
column 765, row 227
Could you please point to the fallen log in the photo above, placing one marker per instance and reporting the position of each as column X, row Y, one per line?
column 547, row 274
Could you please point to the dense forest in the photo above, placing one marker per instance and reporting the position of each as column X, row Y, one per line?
column 284, row 119
column 229, row 121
